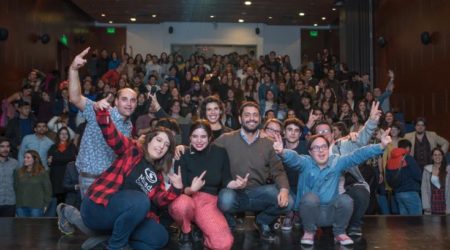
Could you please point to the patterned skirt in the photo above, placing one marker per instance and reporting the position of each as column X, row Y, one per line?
column 437, row 200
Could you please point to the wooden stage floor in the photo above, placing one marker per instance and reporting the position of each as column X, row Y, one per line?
column 380, row 232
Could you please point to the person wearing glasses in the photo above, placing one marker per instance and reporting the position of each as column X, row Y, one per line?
column 271, row 128
column 318, row 196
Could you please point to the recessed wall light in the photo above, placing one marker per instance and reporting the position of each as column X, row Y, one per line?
column 154, row 15
column 110, row 22
column 103, row 15
column 324, row 18
column 248, row 3
column 301, row 14
column 241, row 20
column 212, row 16
column 315, row 25
column 133, row 19
column 333, row 9
column 270, row 17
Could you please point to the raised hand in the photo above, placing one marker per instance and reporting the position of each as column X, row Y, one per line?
column 375, row 113
column 103, row 104
column 385, row 138
column 179, row 151
column 154, row 102
column 239, row 183
column 198, row 182
column 278, row 144
column 176, row 180
column 391, row 74
column 79, row 60
column 312, row 119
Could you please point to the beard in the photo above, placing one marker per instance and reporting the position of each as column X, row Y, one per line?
column 248, row 129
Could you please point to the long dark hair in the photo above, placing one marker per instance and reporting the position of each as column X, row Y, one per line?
column 442, row 167
column 165, row 163
column 57, row 140
column 203, row 124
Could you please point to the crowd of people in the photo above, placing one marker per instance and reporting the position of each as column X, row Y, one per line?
column 198, row 143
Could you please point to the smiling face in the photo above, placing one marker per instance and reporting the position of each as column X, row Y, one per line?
column 212, row 112
column 319, row 151
column 126, row 102
column 158, row 146
column 272, row 129
column 250, row 119
column 199, row 139
column 437, row 156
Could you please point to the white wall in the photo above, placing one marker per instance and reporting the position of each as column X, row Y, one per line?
column 155, row 38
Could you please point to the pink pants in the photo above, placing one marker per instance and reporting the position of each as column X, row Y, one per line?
column 201, row 208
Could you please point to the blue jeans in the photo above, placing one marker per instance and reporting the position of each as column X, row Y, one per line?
column 262, row 199
column 29, row 212
column 336, row 214
column 409, row 203
column 125, row 218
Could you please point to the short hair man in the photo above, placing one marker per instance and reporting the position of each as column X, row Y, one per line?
column 7, row 167
column 250, row 154
column 38, row 142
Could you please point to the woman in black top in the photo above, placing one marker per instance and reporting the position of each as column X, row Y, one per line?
column 212, row 110
column 205, row 170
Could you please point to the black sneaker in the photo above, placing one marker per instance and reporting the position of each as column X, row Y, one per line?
column 265, row 232
column 185, row 241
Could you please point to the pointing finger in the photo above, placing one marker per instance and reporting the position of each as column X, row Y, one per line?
column 84, row 52
column 202, row 175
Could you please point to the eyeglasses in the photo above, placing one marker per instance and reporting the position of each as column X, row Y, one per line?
column 318, row 148
column 273, row 130
column 322, row 132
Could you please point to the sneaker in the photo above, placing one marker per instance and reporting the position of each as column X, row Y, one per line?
column 343, row 239
column 265, row 232
column 354, row 231
column 288, row 222
column 297, row 221
column 307, row 239
column 63, row 224
column 185, row 241
column 96, row 242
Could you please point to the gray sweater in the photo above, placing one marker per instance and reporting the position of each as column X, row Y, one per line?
column 258, row 159
column 7, row 194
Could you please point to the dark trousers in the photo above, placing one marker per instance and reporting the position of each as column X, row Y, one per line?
column 125, row 218
column 361, row 198
column 7, row 210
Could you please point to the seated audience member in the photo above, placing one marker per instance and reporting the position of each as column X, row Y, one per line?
column 318, row 196
column 58, row 122
column 272, row 127
column 205, row 170
column 436, row 185
column 120, row 200
column 404, row 176
column 7, row 167
column 212, row 109
column 32, row 186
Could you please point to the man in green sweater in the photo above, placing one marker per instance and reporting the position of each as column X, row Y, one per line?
column 251, row 154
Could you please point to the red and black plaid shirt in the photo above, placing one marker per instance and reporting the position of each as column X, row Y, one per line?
column 129, row 153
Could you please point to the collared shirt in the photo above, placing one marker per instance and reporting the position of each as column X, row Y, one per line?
column 40, row 145
column 246, row 139
column 129, row 154
column 7, row 194
column 324, row 182
column 95, row 155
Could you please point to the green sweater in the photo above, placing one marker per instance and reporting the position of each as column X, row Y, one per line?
column 258, row 159
column 32, row 191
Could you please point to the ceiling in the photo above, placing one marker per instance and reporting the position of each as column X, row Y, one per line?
column 272, row 12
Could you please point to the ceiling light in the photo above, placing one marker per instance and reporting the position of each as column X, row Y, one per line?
column 133, row 19
column 154, row 15
column 241, row 20
column 248, row 3
column 212, row 16
column 301, row 14
column 324, row 18
column 270, row 17
column 333, row 9
column 110, row 22
column 103, row 15
column 315, row 25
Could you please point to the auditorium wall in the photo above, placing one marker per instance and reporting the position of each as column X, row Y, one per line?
column 422, row 86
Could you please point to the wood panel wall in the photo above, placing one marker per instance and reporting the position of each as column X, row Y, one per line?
column 326, row 39
column 27, row 19
column 422, row 71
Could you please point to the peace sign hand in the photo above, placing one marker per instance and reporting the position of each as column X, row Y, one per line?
column 278, row 145
column 79, row 60
column 175, row 179
column 375, row 113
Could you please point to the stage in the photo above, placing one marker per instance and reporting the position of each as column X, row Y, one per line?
column 379, row 232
